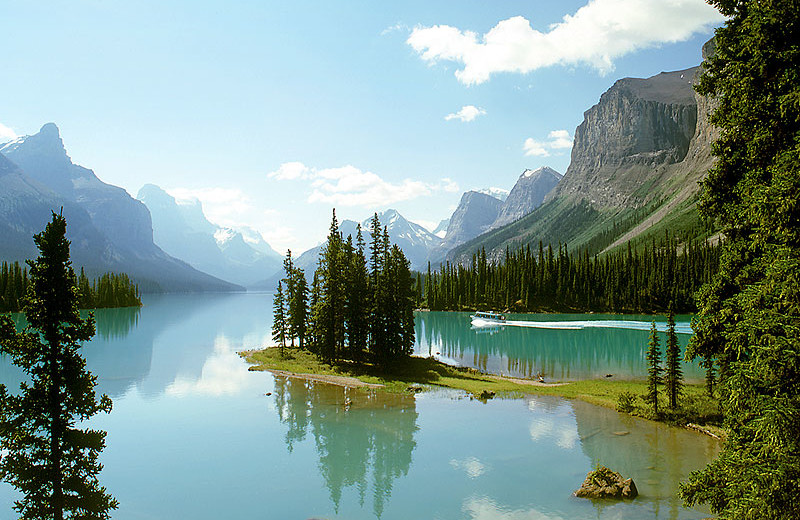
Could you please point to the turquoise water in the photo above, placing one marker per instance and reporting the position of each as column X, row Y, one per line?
column 562, row 347
column 193, row 434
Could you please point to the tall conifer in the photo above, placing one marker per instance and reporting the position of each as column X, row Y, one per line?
column 53, row 463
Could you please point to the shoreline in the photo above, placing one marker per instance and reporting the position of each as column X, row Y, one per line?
column 697, row 413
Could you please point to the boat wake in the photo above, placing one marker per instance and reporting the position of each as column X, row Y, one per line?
column 680, row 328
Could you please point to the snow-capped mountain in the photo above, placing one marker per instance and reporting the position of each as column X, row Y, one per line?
column 498, row 193
column 183, row 230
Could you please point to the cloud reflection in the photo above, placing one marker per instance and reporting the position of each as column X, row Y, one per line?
column 471, row 466
column 484, row 508
column 224, row 373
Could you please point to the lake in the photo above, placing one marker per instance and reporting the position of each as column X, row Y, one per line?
column 193, row 434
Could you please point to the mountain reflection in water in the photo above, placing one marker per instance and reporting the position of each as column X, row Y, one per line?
column 360, row 436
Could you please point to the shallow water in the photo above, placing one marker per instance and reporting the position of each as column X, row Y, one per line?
column 193, row 434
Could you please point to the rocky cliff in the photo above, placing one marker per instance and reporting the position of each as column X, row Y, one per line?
column 625, row 141
column 636, row 163
column 527, row 194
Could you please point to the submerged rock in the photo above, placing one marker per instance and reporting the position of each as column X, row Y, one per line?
column 604, row 483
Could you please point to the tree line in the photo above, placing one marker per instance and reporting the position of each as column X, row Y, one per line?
column 358, row 309
column 108, row 291
column 661, row 275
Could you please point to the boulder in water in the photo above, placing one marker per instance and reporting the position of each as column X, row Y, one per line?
column 604, row 483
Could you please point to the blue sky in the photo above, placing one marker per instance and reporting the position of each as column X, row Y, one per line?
column 272, row 113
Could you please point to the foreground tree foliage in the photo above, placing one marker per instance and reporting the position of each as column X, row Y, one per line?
column 749, row 319
column 53, row 463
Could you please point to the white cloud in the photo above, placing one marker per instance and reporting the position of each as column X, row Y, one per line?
column 351, row 186
column 223, row 206
column 290, row 171
column 466, row 114
column 595, row 35
column 556, row 140
column 398, row 27
column 560, row 139
column 535, row 148
column 6, row 134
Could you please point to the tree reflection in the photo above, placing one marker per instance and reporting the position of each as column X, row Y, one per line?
column 359, row 435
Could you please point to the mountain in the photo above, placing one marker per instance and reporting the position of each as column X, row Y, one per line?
column 500, row 194
column 109, row 230
column 636, row 162
column 527, row 194
column 183, row 231
column 441, row 229
column 475, row 214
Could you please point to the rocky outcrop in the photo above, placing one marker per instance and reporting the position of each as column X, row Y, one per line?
column 604, row 483
column 639, row 126
column 638, row 157
column 527, row 194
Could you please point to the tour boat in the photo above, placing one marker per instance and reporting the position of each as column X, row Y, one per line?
column 482, row 319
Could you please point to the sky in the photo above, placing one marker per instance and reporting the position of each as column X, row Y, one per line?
column 274, row 113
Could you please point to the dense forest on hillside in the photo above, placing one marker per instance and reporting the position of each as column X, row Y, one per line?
column 108, row 291
column 651, row 279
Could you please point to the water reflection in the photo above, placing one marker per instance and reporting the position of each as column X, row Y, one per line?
column 527, row 352
column 176, row 343
column 359, row 436
column 658, row 457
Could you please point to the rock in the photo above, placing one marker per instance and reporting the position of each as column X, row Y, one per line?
column 604, row 483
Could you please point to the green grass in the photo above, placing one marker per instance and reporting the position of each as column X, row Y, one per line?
column 696, row 406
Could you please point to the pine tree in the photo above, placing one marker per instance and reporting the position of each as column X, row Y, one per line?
column 51, row 462
column 654, row 368
column 280, row 326
column 673, row 377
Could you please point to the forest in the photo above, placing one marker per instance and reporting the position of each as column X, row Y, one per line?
column 662, row 275
column 108, row 291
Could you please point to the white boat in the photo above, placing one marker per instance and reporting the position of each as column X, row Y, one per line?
column 487, row 319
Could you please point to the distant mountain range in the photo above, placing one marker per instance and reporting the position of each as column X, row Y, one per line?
column 109, row 229
column 183, row 231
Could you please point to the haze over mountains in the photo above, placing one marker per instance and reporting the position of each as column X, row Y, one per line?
column 109, row 229
column 183, row 231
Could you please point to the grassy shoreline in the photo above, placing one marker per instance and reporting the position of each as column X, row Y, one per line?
column 419, row 372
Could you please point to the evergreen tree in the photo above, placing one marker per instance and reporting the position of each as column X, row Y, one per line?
column 654, row 368
column 280, row 326
column 749, row 314
column 51, row 462
column 673, row 376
